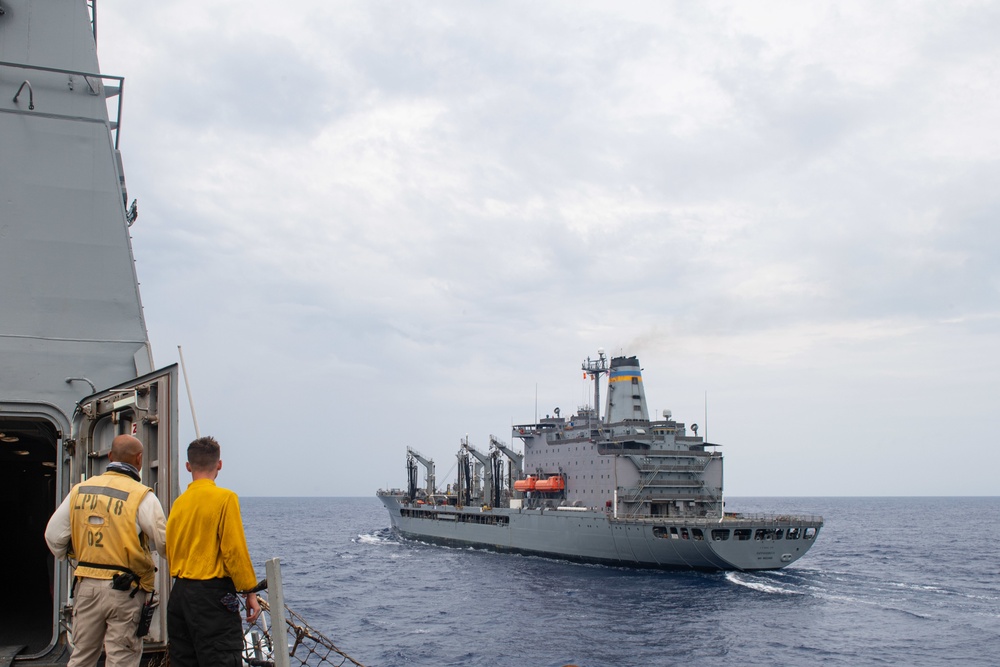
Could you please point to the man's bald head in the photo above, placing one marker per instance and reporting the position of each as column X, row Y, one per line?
column 126, row 449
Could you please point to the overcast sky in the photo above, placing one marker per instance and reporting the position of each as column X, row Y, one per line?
column 380, row 224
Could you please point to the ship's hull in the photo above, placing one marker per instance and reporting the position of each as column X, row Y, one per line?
column 597, row 537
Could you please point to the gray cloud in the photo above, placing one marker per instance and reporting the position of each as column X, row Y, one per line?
column 375, row 225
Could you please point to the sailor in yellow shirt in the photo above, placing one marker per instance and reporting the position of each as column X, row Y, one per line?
column 208, row 556
column 108, row 525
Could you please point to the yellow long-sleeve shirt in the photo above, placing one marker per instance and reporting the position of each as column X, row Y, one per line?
column 205, row 538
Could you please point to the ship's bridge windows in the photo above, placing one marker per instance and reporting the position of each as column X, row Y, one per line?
column 809, row 533
column 720, row 534
column 742, row 534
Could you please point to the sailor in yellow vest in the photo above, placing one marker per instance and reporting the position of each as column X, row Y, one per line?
column 108, row 525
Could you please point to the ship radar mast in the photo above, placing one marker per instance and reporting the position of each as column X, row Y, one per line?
column 595, row 368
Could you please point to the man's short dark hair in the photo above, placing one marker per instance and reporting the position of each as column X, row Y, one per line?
column 203, row 453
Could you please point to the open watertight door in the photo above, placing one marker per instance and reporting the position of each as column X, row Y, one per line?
column 147, row 409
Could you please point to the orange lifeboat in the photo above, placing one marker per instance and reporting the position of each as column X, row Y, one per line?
column 550, row 484
column 527, row 484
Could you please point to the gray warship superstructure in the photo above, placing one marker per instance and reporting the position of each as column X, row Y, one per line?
column 624, row 490
column 76, row 367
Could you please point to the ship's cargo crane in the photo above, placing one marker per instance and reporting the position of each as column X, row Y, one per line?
column 413, row 454
column 515, row 470
column 490, row 488
column 469, row 475
column 516, row 459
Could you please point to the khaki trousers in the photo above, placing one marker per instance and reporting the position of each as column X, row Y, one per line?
column 104, row 617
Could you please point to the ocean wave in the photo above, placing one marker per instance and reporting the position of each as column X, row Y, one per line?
column 451, row 607
column 378, row 537
column 760, row 586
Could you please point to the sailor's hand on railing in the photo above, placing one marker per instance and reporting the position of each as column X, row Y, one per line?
column 253, row 608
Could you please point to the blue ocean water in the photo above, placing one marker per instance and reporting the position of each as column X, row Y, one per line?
column 890, row 581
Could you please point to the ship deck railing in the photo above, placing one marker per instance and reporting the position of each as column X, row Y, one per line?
column 692, row 491
column 648, row 466
column 109, row 91
column 667, row 483
column 771, row 518
column 743, row 520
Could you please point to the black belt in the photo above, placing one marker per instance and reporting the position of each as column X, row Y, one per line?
column 102, row 566
column 133, row 577
column 220, row 583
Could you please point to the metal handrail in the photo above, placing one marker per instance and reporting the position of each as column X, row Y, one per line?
column 116, row 124
column 729, row 521
column 776, row 518
column 31, row 94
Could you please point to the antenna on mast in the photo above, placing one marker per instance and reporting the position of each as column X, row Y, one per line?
column 595, row 368
column 706, row 415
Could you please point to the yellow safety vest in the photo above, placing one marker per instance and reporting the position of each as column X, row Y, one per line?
column 102, row 520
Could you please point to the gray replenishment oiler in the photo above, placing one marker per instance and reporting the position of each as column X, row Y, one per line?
column 624, row 491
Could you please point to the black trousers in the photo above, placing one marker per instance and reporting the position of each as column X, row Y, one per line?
column 203, row 631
